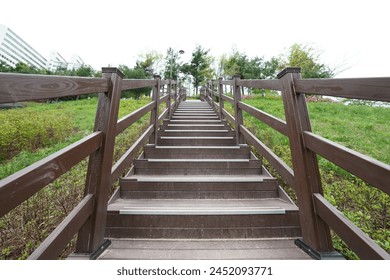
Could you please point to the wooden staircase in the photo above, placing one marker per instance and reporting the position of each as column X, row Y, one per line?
column 198, row 195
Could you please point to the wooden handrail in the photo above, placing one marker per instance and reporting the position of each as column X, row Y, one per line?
column 264, row 84
column 134, row 116
column 356, row 239
column 228, row 98
column 266, row 118
column 137, row 83
column 22, row 87
column 21, row 185
column 376, row 89
column 352, row 161
column 277, row 163
column 129, row 155
column 53, row 245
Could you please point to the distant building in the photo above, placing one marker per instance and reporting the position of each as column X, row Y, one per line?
column 14, row 49
column 75, row 62
column 56, row 61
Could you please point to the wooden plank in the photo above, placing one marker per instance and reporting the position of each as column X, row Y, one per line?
column 266, row 118
column 21, row 185
column 228, row 116
column 227, row 98
column 21, row 87
column 131, row 118
column 264, row 84
column 137, row 83
column 164, row 98
column 370, row 170
column 53, row 245
column 98, row 179
column 280, row 166
column 356, row 239
column 305, row 165
column 163, row 115
column 128, row 157
column 360, row 88
column 237, row 111
column 164, row 82
column 228, row 83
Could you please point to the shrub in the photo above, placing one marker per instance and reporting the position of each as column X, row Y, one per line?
column 23, row 130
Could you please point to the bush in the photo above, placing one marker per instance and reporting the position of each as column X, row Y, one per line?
column 21, row 130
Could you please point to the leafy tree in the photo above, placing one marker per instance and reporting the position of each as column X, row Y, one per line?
column 199, row 67
column 150, row 62
column 172, row 64
column 308, row 59
column 4, row 67
column 135, row 73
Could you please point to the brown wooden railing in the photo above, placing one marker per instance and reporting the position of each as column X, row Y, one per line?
column 88, row 217
column 316, row 213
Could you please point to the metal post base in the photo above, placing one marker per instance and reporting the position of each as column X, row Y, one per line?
column 318, row 255
column 106, row 243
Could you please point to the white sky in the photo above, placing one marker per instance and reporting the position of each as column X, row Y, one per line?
column 351, row 34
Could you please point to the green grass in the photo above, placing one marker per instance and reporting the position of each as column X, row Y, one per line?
column 25, row 227
column 362, row 128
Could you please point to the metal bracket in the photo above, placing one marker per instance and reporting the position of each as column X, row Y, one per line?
column 106, row 243
column 318, row 255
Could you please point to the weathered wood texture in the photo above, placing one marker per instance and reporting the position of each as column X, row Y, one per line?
column 134, row 116
column 20, row 87
column 280, row 166
column 352, row 161
column 137, row 83
column 306, row 172
column 100, row 163
column 264, row 84
column 18, row 187
column 363, row 88
column 266, row 118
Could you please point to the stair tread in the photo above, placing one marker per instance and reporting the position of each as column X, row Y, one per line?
column 275, row 248
column 201, row 207
column 199, row 178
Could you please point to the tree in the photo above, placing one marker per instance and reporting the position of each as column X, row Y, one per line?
column 172, row 64
column 308, row 59
column 135, row 73
column 199, row 67
column 150, row 62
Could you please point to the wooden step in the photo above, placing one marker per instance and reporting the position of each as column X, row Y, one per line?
column 193, row 152
column 198, row 187
column 196, row 140
column 197, row 133
column 201, row 249
column 179, row 126
column 197, row 167
column 194, row 218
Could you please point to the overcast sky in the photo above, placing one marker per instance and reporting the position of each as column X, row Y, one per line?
column 350, row 34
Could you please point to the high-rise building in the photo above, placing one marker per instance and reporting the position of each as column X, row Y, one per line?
column 56, row 61
column 75, row 62
column 14, row 49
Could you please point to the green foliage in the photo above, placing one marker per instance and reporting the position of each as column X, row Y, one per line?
column 172, row 64
column 25, row 227
column 135, row 73
column 247, row 68
column 199, row 67
column 20, row 130
column 308, row 59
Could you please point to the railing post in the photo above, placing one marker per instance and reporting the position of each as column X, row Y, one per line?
column 237, row 110
column 212, row 88
column 220, row 93
column 315, row 232
column 98, row 180
column 169, row 98
column 154, row 112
